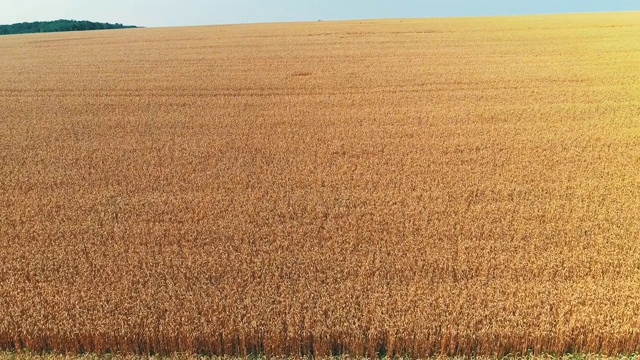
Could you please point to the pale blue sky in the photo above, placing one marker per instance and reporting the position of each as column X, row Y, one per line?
column 153, row 13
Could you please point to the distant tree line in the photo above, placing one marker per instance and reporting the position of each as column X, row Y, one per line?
column 57, row 25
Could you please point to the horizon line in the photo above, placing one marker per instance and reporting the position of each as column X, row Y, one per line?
column 342, row 19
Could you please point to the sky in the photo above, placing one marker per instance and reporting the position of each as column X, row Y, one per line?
column 156, row 13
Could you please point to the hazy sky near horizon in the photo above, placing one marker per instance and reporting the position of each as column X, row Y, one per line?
column 152, row 13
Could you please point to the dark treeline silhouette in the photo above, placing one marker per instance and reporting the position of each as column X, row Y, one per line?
column 57, row 25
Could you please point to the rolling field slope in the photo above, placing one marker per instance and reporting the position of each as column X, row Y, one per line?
column 435, row 186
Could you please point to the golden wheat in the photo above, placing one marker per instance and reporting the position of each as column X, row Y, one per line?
column 418, row 187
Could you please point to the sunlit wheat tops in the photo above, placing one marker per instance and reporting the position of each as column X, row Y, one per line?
column 417, row 187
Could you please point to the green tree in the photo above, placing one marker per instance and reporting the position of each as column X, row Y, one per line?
column 58, row 25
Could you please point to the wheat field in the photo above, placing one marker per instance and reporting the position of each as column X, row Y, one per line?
column 418, row 187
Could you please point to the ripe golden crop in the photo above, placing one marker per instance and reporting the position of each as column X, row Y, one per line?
column 423, row 187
